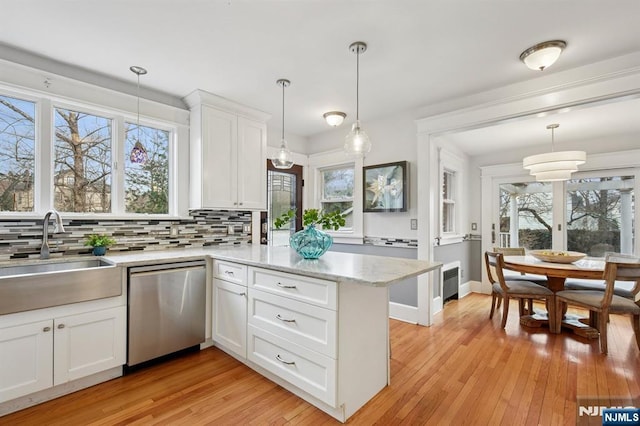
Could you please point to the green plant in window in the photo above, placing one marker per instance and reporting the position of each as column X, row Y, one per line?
column 328, row 220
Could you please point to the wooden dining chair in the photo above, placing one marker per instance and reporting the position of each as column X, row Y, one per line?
column 521, row 276
column 601, row 304
column 513, row 289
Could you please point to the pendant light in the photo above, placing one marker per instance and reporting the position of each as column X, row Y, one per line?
column 283, row 159
column 138, row 153
column 554, row 166
column 356, row 143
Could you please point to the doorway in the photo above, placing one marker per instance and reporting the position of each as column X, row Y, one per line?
column 284, row 192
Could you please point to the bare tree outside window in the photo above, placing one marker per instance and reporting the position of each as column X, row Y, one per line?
column 82, row 168
column 17, row 154
column 337, row 192
column 146, row 184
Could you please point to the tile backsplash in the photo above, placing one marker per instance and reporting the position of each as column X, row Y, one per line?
column 22, row 238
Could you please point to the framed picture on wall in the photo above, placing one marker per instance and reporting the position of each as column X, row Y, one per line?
column 385, row 187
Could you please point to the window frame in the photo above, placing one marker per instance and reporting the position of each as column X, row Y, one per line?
column 451, row 163
column 44, row 192
column 336, row 159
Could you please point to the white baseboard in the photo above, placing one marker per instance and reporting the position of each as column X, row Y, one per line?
column 464, row 289
column 480, row 287
column 404, row 313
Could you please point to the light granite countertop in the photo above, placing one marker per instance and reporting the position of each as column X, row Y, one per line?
column 342, row 267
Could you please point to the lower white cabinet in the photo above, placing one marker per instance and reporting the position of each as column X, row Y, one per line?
column 230, row 316
column 309, row 370
column 38, row 355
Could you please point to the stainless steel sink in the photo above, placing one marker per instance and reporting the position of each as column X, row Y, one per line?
column 45, row 284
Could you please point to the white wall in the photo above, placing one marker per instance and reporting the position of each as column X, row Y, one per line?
column 295, row 143
column 392, row 139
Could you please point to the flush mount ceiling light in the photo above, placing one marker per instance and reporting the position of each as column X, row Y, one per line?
column 334, row 118
column 542, row 55
column 357, row 143
column 283, row 159
column 138, row 154
column 554, row 166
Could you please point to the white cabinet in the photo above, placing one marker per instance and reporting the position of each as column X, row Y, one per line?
column 88, row 343
column 230, row 307
column 228, row 145
column 47, row 353
column 325, row 341
column 26, row 359
column 293, row 330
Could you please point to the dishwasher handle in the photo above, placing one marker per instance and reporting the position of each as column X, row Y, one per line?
column 138, row 270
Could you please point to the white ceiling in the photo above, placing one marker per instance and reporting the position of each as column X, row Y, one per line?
column 420, row 52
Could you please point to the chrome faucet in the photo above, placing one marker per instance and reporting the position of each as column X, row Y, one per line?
column 58, row 227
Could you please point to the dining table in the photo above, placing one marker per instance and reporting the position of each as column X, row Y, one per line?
column 557, row 273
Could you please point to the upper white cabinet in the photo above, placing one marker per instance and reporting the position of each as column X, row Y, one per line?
column 228, row 145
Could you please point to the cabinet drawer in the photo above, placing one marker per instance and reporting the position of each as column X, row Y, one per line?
column 311, row 290
column 308, row 370
column 306, row 325
column 230, row 271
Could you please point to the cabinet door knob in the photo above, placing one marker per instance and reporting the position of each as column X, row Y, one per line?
column 279, row 284
column 60, row 326
column 284, row 319
column 240, row 203
column 285, row 362
column 46, row 329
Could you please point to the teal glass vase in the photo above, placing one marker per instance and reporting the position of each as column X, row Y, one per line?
column 310, row 243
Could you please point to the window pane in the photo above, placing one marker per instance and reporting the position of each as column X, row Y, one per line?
column 448, row 219
column 146, row 183
column 600, row 215
column 82, row 179
column 337, row 183
column 525, row 215
column 281, row 192
column 17, row 154
column 337, row 193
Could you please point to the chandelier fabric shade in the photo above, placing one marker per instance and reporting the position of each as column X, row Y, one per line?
column 555, row 165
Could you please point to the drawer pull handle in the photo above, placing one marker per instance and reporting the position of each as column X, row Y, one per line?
column 230, row 273
column 284, row 319
column 60, row 326
column 285, row 362
column 243, row 294
column 46, row 329
column 279, row 284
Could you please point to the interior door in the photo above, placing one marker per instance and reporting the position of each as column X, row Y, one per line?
column 284, row 192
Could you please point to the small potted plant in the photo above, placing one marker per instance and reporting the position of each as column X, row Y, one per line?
column 99, row 242
column 311, row 243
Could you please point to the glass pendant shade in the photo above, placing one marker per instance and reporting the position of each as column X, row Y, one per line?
column 283, row 159
column 138, row 154
column 357, row 143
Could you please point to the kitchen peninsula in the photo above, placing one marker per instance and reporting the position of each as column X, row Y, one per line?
column 319, row 328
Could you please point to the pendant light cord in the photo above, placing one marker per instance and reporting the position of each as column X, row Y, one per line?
column 553, row 146
column 357, row 84
column 138, row 125
column 283, row 85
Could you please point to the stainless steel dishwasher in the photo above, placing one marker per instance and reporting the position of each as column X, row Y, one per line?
column 166, row 309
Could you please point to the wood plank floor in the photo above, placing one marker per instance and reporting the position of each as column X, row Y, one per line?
column 463, row 370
